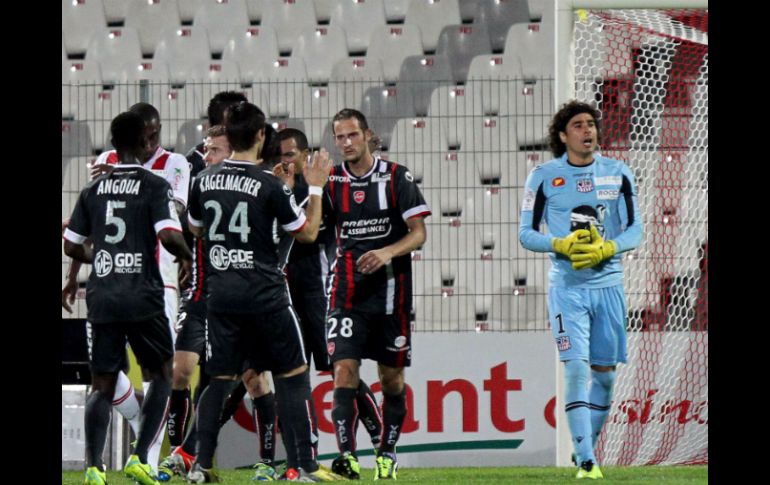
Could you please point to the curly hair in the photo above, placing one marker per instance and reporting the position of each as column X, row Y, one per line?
column 562, row 117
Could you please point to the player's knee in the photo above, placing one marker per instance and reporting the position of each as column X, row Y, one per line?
column 257, row 386
column 345, row 374
column 392, row 380
column 104, row 384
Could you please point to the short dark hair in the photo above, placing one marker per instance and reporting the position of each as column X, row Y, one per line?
column 349, row 113
column 559, row 124
column 292, row 133
column 220, row 102
column 146, row 111
column 216, row 130
column 242, row 123
column 127, row 130
column 271, row 147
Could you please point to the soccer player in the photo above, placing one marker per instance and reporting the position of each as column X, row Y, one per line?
column 124, row 213
column 378, row 212
column 233, row 206
column 307, row 273
column 589, row 203
column 176, row 171
column 216, row 116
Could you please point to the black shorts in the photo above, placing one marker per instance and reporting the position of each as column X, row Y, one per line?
column 150, row 341
column 265, row 341
column 386, row 339
column 311, row 309
column 191, row 328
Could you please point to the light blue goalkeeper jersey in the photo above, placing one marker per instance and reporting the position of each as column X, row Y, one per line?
column 567, row 197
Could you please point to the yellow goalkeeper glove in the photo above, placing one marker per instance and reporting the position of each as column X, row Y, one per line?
column 589, row 255
column 565, row 245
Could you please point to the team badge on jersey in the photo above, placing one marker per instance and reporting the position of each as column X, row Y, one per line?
column 585, row 185
column 330, row 348
column 359, row 196
column 562, row 343
column 558, row 182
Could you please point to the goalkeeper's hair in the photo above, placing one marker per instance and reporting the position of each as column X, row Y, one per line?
column 562, row 117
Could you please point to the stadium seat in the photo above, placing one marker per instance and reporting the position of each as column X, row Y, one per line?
column 323, row 10
column 432, row 16
column 352, row 76
column 460, row 43
column 150, row 19
column 250, row 47
column 539, row 9
column 498, row 16
column 530, row 104
column 190, row 134
column 395, row 10
column 75, row 142
column 421, row 74
column 320, row 47
column 63, row 49
column 532, row 45
column 417, row 143
column 489, row 79
column 391, row 44
column 254, row 8
column 283, row 79
column 454, row 106
column 279, row 124
column 315, row 107
column 219, row 19
column 79, row 19
column 156, row 72
column 115, row 10
column 383, row 106
column 182, row 48
column 187, row 9
column 288, row 18
column 486, row 206
column 112, row 48
column 209, row 78
column 357, row 18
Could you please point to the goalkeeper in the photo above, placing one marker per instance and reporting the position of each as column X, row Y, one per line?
column 589, row 204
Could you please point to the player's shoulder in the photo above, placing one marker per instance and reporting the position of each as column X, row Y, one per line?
column 612, row 165
column 109, row 156
column 178, row 159
column 399, row 170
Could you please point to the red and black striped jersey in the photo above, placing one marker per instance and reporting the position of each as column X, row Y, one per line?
column 370, row 212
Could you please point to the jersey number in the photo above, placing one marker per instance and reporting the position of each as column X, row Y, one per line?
column 561, row 323
column 239, row 221
column 346, row 327
column 113, row 220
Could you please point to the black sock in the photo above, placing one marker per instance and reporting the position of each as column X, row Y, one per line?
column 232, row 403
column 295, row 412
column 393, row 414
column 97, row 419
column 263, row 411
column 369, row 415
column 178, row 412
column 344, row 415
column 209, row 410
column 154, row 410
column 203, row 381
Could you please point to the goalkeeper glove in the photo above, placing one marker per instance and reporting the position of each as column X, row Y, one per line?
column 564, row 245
column 589, row 255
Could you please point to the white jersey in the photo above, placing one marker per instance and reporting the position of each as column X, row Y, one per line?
column 175, row 169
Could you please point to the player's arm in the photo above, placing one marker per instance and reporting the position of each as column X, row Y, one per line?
column 79, row 251
column 316, row 174
column 173, row 241
column 375, row 259
column 628, row 208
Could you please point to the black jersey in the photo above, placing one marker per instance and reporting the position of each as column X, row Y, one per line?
column 308, row 263
column 370, row 212
column 121, row 213
column 236, row 202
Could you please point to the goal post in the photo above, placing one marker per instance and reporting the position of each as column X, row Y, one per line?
column 644, row 63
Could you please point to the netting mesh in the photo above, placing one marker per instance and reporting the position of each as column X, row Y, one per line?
column 648, row 72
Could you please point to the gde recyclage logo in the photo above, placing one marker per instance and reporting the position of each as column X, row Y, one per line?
column 222, row 259
column 102, row 263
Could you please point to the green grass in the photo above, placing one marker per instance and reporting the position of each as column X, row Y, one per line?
column 649, row 475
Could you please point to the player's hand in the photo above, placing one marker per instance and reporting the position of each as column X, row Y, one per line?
column 68, row 294
column 285, row 173
column 565, row 245
column 589, row 255
column 316, row 171
column 64, row 223
column 373, row 260
column 97, row 170
column 185, row 272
